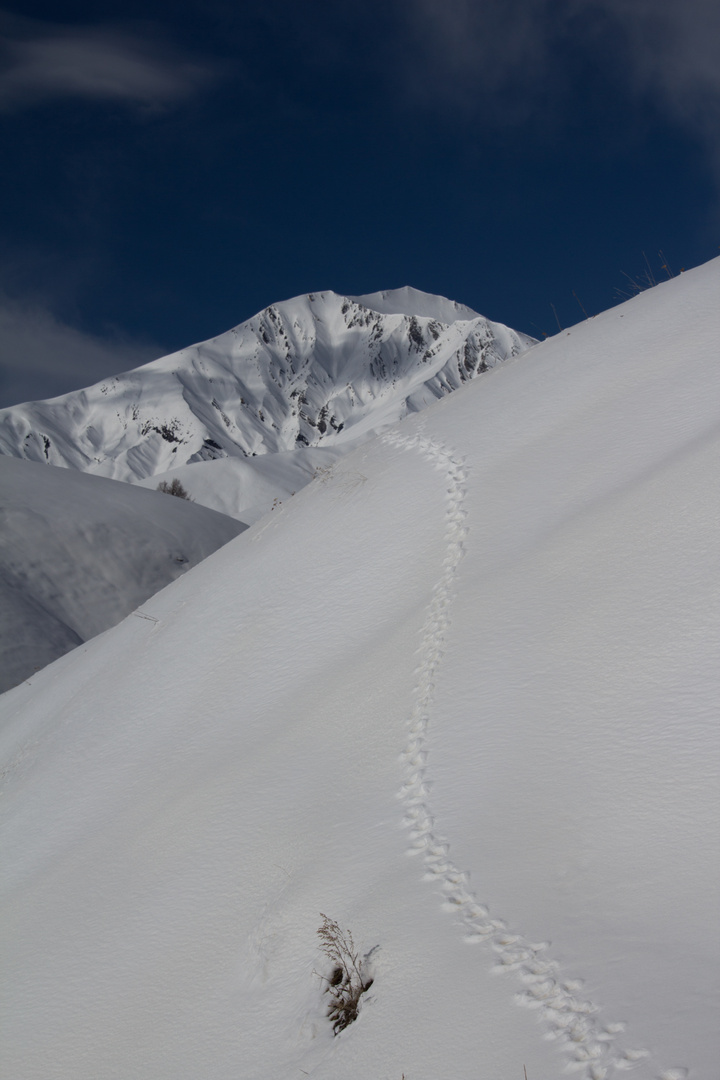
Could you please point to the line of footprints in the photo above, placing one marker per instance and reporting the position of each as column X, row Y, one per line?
column 570, row 1019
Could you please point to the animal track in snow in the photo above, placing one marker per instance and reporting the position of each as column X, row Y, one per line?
column 570, row 1019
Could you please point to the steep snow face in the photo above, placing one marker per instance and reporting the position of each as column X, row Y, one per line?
column 459, row 694
column 78, row 553
column 317, row 370
column 409, row 301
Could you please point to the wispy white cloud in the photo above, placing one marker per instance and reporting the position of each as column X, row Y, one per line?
column 41, row 60
column 483, row 57
column 42, row 356
column 504, row 57
column 672, row 50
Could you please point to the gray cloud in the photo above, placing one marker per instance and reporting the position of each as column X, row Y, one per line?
column 41, row 60
column 509, row 55
column 41, row 356
column 482, row 56
column 672, row 49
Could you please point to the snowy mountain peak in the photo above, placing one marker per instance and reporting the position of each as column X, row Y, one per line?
column 316, row 370
column 409, row 301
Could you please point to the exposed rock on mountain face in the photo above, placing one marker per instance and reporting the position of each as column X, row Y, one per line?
column 318, row 370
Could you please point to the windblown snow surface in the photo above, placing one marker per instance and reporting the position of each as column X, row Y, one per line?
column 303, row 381
column 78, row 553
column 459, row 694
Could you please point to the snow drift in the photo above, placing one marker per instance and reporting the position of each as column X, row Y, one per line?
column 459, row 694
column 79, row 553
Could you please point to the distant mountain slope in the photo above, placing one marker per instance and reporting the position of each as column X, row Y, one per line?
column 318, row 370
column 79, row 553
column 247, row 488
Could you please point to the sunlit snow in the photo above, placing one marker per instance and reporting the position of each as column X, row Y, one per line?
column 460, row 694
column 304, row 380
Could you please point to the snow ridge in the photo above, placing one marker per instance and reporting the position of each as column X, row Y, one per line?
column 317, row 370
column 574, row 1022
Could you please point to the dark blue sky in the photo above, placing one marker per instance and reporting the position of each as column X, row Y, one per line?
column 170, row 169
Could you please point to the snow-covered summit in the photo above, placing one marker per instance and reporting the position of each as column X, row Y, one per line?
column 317, row 370
column 409, row 301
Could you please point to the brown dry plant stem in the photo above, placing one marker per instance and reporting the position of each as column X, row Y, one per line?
column 644, row 280
column 347, row 981
column 582, row 306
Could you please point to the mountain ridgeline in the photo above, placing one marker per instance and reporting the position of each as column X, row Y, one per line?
column 317, row 370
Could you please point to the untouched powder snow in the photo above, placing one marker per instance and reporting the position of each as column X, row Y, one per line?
column 409, row 301
column 247, row 488
column 460, row 694
column 78, row 554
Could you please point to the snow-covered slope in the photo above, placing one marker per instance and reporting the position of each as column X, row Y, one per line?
column 247, row 488
column 319, row 370
column 409, row 301
column 460, row 694
column 79, row 553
